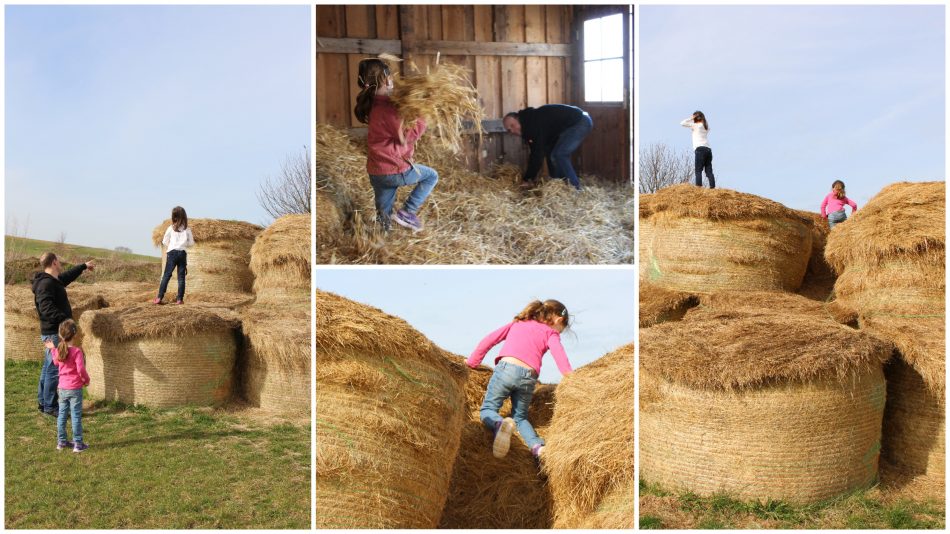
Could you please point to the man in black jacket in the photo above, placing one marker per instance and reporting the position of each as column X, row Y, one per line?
column 553, row 131
column 52, row 305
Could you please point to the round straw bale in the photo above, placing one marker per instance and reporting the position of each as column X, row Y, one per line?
column 760, row 405
column 489, row 492
column 696, row 239
column 389, row 417
column 161, row 356
column 22, row 326
column 659, row 305
column 589, row 449
column 276, row 370
column 218, row 262
column 280, row 259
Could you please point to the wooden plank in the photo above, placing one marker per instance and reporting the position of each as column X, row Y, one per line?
column 509, row 27
column 489, row 126
column 348, row 45
column 535, row 67
column 360, row 23
column 331, row 87
column 330, row 21
column 387, row 22
column 555, row 33
column 487, row 77
column 462, row 48
column 407, row 32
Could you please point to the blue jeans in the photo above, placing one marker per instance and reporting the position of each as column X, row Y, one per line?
column 704, row 163
column 836, row 217
column 70, row 405
column 174, row 258
column 385, row 185
column 46, row 398
column 559, row 160
column 517, row 382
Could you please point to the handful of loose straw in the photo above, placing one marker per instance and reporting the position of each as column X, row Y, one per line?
column 444, row 97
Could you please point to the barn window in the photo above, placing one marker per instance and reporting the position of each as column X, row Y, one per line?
column 603, row 59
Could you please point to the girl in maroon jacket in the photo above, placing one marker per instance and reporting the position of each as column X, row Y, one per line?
column 390, row 148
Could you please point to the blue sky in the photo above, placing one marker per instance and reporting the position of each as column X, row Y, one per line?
column 798, row 96
column 115, row 114
column 456, row 308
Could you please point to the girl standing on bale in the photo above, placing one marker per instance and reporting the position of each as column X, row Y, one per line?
column 72, row 377
column 534, row 331
column 390, row 148
column 835, row 202
column 177, row 238
column 697, row 123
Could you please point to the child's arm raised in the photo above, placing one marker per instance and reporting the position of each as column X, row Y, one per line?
column 486, row 344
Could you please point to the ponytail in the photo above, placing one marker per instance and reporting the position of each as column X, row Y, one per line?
column 371, row 74
column 545, row 312
column 364, row 103
column 67, row 331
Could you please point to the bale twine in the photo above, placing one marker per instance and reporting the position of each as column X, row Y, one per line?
column 389, row 416
column 588, row 456
column 769, row 405
column 218, row 262
column 275, row 371
column 659, row 305
column 22, row 326
column 280, row 259
column 489, row 492
column 696, row 239
column 161, row 356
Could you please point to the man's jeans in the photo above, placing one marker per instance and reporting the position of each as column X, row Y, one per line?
column 385, row 185
column 174, row 258
column 517, row 382
column 70, row 405
column 704, row 163
column 46, row 397
column 559, row 160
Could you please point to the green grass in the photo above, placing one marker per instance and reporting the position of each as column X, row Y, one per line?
column 22, row 255
column 865, row 509
column 35, row 247
column 169, row 469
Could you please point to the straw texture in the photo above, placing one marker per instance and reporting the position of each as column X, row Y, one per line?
column 588, row 457
column 280, row 259
column 22, row 323
column 819, row 280
column 218, row 262
column 659, row 305
column 696, row 239
column 389, row 417
column 277, row 362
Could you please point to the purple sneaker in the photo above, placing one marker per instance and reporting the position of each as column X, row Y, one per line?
column 80, row 446
column 65, row 445
column 409, row 220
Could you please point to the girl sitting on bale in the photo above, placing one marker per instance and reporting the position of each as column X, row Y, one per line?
column 534, row 331
column 390, row 148
column 835, row 202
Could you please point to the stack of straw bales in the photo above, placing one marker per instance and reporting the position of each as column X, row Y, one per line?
column 819, row 278
column 218, row 262
column 659, row 305
column 161, row 356
column 489, row 492
column 22, row 326
column 280, row 260
column 702, row 240
column 763, row 396
column 389, row 417
column 890, row 259
column 590, row 445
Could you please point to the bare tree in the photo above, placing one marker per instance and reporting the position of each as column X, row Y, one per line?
column 290, row 191
column 126, row 250
column 661, row 166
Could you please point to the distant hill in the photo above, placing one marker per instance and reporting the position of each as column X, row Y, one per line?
column 21, row 259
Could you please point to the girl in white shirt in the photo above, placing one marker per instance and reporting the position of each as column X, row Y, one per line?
column 697, row 123
column 177, row 238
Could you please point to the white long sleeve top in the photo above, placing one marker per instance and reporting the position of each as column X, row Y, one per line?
column 699, row 133
column 177, row 240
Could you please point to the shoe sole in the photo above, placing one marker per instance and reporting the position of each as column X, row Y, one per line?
column 403, row 223
column 503, row 438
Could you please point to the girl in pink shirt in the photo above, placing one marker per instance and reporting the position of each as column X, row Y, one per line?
column 389, row 148
column 533, row 332
column 72, row 377
column 832, row 207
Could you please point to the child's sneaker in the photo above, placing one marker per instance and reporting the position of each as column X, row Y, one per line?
column 156, row 301
column 80, row 446
column 503, row 437
column 537, row 450
column 179, row 302
column 65, row 445
column 409, row 220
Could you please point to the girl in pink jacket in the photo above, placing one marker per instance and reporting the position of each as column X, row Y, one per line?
column 832, row 207
column 72, row 377
column 534, row 331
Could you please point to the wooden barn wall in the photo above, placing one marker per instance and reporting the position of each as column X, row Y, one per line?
column 504, row 82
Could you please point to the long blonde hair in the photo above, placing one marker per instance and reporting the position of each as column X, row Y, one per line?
column 67, row 331
column 837, row 187
column 545, row 312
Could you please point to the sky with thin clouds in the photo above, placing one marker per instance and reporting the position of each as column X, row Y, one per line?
column 456, row 308
column 799, row 96
column 116, row 114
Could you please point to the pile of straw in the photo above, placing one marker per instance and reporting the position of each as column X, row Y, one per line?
column 219, row 260
column 161, row 356
column 890, row 259
column 819, row 280
column 22, row 323
column 776, row 403
column 444, row 96
column 389, row 416
column 702, row 240
column 275, row 365
column 489, row 492
column 659, row 305
column 280, row 259
column 589, row 452
column 472, row 218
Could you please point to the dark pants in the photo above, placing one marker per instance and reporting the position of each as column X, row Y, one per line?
column 559, row 160
column 704, row 162
column 175, row 258
column 46, row 395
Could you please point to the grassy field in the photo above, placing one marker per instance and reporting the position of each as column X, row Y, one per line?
column 183, row 468
column 867, row 509
column 22, row 254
